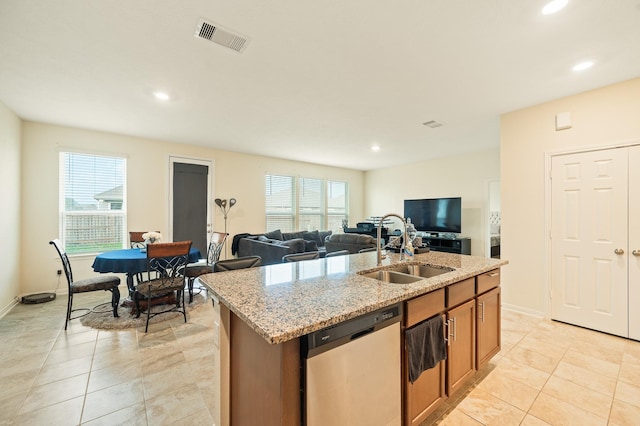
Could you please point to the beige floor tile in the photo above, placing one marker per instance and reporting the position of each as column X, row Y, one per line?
column 542, row 362
column 17, row 383
column 162, row 359
column 199, row 418
column 166, row 381
column 116, row 374
column 63, row 413
column 72, row 338
column 134, row 415
column 111, row 399
column 115, row 357
column 58, row 356
column 557, row 412
column 22, row 365
column 541, row 346
column 456, row 418
column 586, row 378
column 10, row 405
column 629, row 393
column 623, row 414
column 64, row 370
column 509, row 390
column 596, row 365
column 55, row 392
column 172, row 406
column 489, row 410
column 630, row 373
column 530, row 420
column 522, row 373
column 599, row 345
column 581, row 397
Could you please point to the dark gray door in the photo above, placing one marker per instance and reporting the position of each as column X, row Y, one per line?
column 190, row 185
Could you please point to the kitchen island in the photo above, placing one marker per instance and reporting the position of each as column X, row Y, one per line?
column 263, row 313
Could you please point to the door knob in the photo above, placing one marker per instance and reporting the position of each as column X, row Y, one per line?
column 636, row 252
column 618, row 251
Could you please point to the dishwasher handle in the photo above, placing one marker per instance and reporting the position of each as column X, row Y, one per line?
column 354, row 336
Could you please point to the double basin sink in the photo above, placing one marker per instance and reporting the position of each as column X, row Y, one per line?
column 406, row 273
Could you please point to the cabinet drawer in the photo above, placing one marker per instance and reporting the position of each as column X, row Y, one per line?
column 487, row 281
column 424, row 307
column 460, row 292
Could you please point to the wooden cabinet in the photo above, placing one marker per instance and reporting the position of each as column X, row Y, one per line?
column 488, row 326
column 461, row 356
column 471, row 312
column 488, row 316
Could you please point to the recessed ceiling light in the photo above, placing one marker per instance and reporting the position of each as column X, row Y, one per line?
column 583, row 66
column 554, row 6
column 375, row 148
column 161, row 96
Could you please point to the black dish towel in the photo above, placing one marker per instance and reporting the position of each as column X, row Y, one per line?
column 425, row 345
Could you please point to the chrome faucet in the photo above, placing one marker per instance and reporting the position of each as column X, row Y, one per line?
column 404, row 236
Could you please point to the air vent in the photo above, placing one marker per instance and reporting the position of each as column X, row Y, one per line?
column 223, row 37
column 433, row 124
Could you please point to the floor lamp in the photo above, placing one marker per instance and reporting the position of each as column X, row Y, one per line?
column 224, row 207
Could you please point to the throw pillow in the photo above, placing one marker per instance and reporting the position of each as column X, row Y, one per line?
column 274, row 235
column 312, row 236
column 323, row 236
column 295, row 246
column 310, row 245
column 292, row 235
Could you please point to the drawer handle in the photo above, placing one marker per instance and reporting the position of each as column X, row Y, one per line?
column 494, row 274
column 481, row 311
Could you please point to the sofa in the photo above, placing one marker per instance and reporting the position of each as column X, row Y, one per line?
column 272, row 246
column 352, row 242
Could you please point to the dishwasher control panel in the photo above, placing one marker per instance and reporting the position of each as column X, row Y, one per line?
column 330, row 337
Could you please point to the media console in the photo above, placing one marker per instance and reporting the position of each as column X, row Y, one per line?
column 449, row 245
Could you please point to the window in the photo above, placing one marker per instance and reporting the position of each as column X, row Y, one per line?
column 305, row 204
column 92, row 202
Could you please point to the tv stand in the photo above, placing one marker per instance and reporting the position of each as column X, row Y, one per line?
column 449, row 245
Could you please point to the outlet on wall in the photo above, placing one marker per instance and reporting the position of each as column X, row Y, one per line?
column 59, row 272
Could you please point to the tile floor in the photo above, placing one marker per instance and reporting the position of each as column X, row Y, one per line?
column 547, row 373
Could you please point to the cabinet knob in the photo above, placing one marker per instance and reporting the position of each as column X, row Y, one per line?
column 618, row 251
column 636, row 252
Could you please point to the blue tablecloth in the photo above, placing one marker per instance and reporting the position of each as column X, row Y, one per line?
column 129, row 261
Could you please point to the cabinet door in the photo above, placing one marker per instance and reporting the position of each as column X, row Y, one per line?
column 488, row 326
column 634, row 242
column 423, row 396
column 461, row 357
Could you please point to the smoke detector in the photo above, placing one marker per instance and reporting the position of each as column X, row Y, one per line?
column 433, row 124
column 222, row 36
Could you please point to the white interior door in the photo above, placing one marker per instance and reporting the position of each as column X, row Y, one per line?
column 634, row 242
column 589, row 240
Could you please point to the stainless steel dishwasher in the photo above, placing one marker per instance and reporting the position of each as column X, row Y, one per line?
column 352, row 371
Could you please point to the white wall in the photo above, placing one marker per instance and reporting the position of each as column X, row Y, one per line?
column 236, row 175
column 600, row 117
column 464, row 176
column 10, row 211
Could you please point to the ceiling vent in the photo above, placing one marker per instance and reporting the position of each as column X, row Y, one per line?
column 433, row 124
column 223, row 37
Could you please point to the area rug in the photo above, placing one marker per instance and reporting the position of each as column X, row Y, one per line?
column 106, row 321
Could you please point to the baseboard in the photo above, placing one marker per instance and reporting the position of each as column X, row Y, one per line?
column 8, row 308
column 526, row 311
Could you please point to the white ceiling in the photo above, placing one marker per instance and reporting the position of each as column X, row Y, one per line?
column 319, row 81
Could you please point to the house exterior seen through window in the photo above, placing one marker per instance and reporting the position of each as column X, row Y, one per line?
column 92, row 202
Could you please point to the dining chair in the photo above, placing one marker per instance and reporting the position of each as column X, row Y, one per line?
column 237, row 263
column 205, row 266
column 337, row 253
column 297, row 257
column 99, row 282
column 135, row 239
column 165, row 264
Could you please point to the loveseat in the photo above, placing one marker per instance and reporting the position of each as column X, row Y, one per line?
column 352, row 242
column 272, row 246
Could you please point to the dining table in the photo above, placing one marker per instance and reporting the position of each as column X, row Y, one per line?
column 131, row 262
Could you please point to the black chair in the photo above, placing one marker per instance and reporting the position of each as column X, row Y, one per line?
column 237, row 263
column 165, row 264
column 194, row 270
column 297, row 257
column 338, row 253
column 100, row 282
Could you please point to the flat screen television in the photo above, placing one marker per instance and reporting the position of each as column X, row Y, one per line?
column 435, row 214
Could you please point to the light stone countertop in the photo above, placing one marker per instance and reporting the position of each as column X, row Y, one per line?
column 285, row 301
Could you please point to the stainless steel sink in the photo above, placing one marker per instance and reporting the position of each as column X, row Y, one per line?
column 406, row 274
column 392, row 277
column 424, row 271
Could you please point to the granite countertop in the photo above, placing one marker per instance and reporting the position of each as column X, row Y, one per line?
column 285, row 301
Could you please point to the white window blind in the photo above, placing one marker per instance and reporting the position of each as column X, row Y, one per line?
column 337, row 204
column 311, row 210
column 311, row 204
column 280, row 203
column 92, row 202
